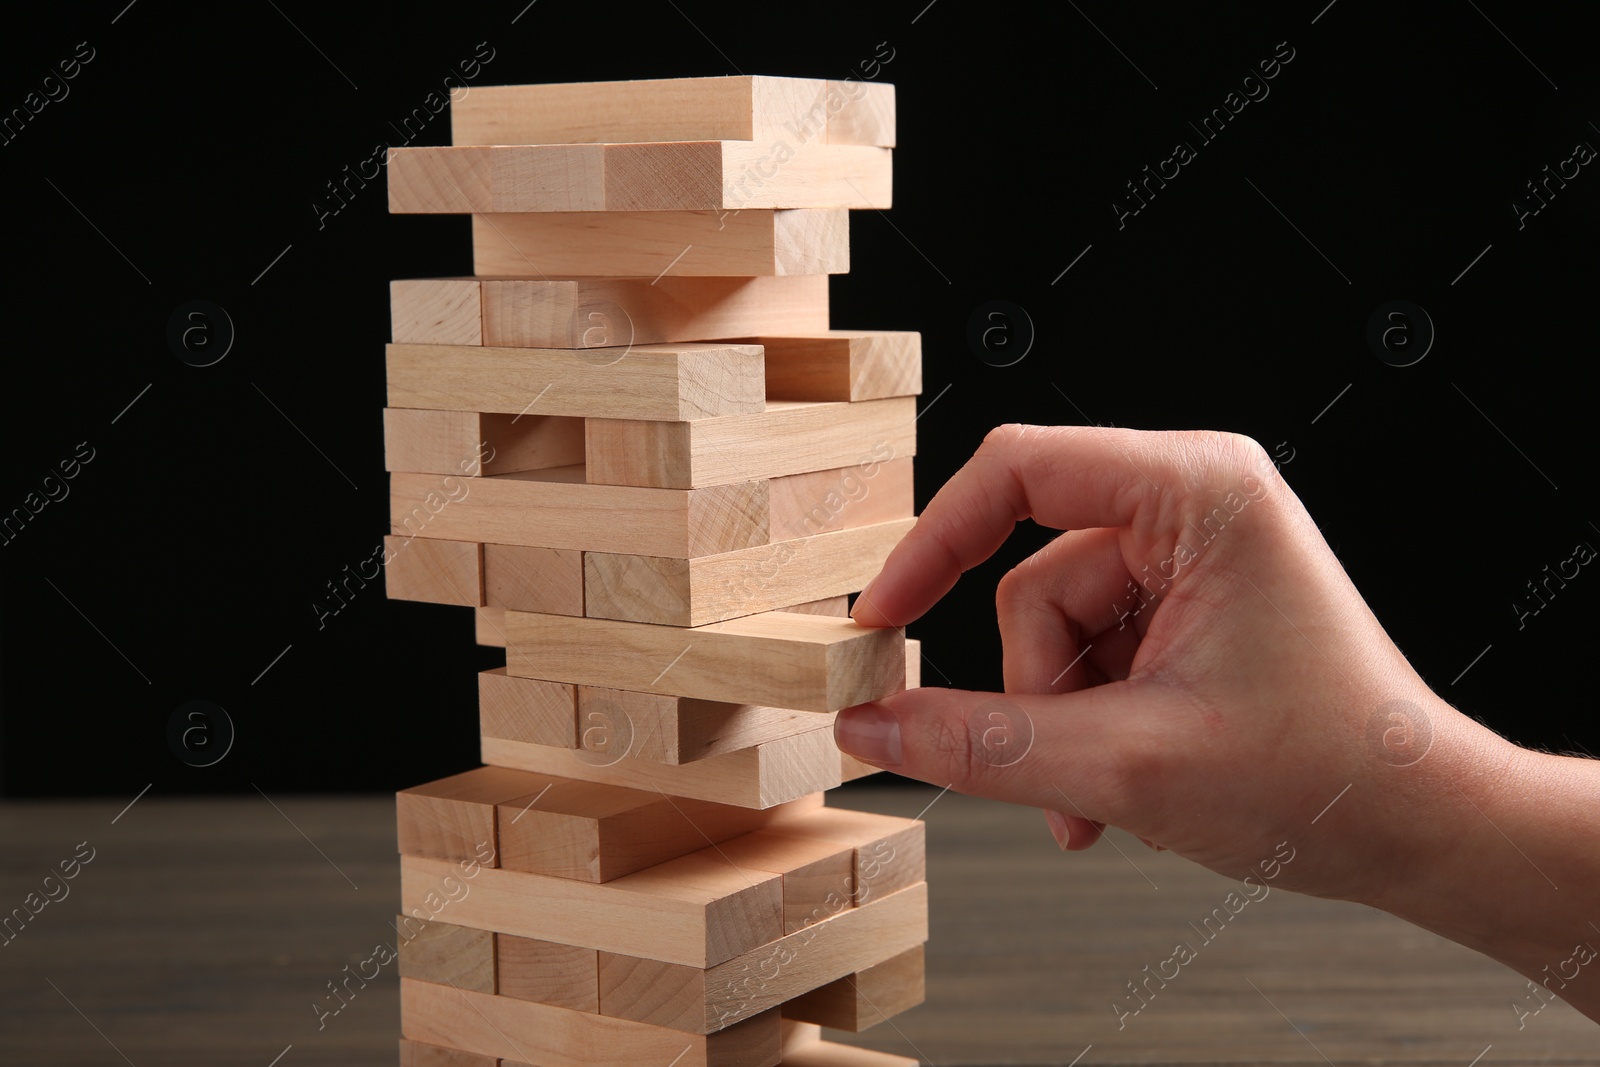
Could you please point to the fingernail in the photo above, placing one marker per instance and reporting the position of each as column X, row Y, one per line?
column 1058, row 828
column 869, row 732
column 861, row 597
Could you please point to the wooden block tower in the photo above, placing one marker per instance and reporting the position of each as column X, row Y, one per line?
column 631, row 443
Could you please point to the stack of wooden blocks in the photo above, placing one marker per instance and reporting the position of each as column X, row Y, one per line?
column 633, row 445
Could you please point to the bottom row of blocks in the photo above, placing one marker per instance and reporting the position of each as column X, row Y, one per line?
column 792, row 1044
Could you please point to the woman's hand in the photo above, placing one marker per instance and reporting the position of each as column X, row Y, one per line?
column 1187, row 661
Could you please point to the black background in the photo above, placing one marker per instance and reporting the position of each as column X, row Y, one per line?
column 187, row 158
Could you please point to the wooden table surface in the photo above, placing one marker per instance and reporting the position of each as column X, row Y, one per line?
column 205, row 932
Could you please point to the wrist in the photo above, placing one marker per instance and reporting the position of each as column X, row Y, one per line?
column 1457, row 812
column 1505, row 861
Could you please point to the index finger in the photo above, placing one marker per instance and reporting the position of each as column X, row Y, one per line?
column 1064, row 477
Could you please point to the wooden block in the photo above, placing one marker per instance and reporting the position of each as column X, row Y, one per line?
column 891, row 853
column 655, row 176
column 562, row 177
column 818, row 874
column 436, row 311
column 647, row 244
column 565, row 976
column 444, row 952
column 789, row 437
column 808, row 662
column 861, row 112
column 555, row 509
column 417, row 1054
column 740, row 108
column 433, row 571
column 865, row 998
column 761, row 776
column 877, row 489
column 453, row 818
column 833, row 1054
column 544, row 313
column 530, row 1033
column 797, row 1035
column 490, row 627
column 595, row 832
column 852, row 768
column 526, row 578
column 753, row 983
column 677, row 730
column 677, row 381
column 696, row 910
column 842, row 364
column 474, row 443
column 693, row 592
column 837, row 606
column 649, row 991
column 527, row 709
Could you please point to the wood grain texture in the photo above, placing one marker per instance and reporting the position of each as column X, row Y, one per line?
column 594, row 832
column 797, row 1035
column 861, row 112
column 789, row 437
column 562, row 177
column 807, row 662
column 890, row 853
column 597, row 380
column 436, row 311
column 555, row 509
column 837, row 606
column 558, row 313
column 527, row 709
column 878, row 489
column 842, row 364
column 444, row 952
column 526, row 578
column 433, row 571
column 489, row 627
column 563, row 976
column 677, row 730
column 759, row 980
column 818, row 874
column 417, row 1054
column 696, row 910
column 761, row 776
column 693, row 592
column 733, row 108
column 425, row 441
column 851, row 768
column 658, row 176
column 648, row 244
column 868, row 997
column 527, row 1032
column 453, row 818
column 833, row 1054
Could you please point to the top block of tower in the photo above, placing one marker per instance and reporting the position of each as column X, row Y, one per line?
column 738, row 108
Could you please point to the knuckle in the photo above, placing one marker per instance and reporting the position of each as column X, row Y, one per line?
column 950, row 746
column 1205, row 456
column 1003, row 437
column 1242, row 448
column 1013, row 591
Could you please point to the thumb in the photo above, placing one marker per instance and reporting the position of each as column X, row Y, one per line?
column 1069, row 752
